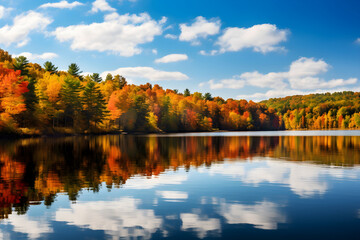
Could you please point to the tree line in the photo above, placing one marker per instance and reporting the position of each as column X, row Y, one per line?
column 37, row 99
column 318, row 111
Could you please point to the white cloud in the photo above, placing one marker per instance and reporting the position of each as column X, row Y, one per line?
column 147, row 73
column 102, row 6
column 303, row 74
column 44, row 56
column 202, row 225
column 4, row 11
column 22, row 26
column 23, row 224
column 172, row 195
column 119, row 34
column 121, row 218
column 357, row 40
column 224, row 83
column 261, row 38
column 210, row 53
column 171, row 36
column 200, row 28
column 172, row 58
column 154, row 51
column 263, row 215
column 62, row 4
column 276, row 93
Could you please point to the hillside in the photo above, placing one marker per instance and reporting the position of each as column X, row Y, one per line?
column 318, row 111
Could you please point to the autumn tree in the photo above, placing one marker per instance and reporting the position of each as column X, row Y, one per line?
column 12, row 89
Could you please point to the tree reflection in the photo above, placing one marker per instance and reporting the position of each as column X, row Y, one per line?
column 36, row 170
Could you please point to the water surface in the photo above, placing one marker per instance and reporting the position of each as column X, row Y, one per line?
column 273, row 185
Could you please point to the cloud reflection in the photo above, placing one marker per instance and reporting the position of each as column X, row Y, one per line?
column 202, row 225
column 120, row 219
column 263, row 215
column 303, row 179
column 154, row 181
column 23, row 224
column 173, row 195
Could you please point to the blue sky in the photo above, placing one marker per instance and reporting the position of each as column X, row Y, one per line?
column 234, row 49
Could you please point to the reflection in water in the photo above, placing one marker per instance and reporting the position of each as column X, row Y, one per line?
column 33, row 228
column 263, row 215
column 201, row 224
column 172, row 196
column 35, row 171
column 121, row 218
column 304, row 180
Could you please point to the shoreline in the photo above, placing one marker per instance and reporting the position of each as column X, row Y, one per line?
column 243, row 132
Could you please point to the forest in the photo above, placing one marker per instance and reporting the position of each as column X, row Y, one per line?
column 38, row 100
column 318, row 111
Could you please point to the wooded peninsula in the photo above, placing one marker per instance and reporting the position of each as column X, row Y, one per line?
column 36, row 100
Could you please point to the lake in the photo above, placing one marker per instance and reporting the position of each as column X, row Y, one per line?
column 231, row 185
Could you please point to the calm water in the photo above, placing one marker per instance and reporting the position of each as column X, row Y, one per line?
column 220, row 185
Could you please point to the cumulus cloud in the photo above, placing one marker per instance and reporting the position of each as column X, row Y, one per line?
column 274, row 93
column 303, row 74
column 147, row 73
column 171, row 36
column 200, row 28
column 261, row 38
column 32, row 56
column 224, row 83
column 4, row 11
column 172, row 58
column 22, row 26
column 102, row 6
column 120, row 34
column 62, row 4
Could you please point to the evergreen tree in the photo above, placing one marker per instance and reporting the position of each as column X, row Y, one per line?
column 94, row 103
column 186, row 93
column 74, row 70
column 96, row 77
column 49, row 67
column 21, row 63
column 109, row 77
column 208, row 96
column 70, row 94
column 119, row 81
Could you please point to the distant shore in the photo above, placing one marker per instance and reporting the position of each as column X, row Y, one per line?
column 103, row 133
